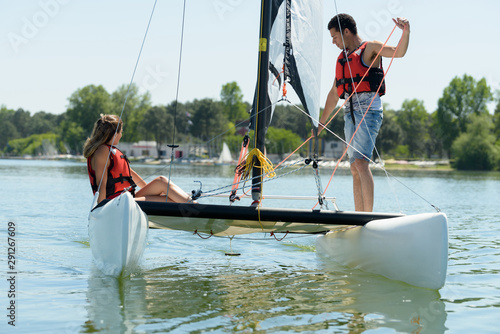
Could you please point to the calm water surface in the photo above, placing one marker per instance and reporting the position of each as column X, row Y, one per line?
column 187, row 284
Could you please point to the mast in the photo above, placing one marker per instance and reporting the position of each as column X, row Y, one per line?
column 262, row 102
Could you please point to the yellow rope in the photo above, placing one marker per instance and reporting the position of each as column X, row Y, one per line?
column 246, row 166
column 264, row 163
column 258, row 214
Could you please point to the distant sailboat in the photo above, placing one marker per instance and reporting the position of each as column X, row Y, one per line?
column 225, row 155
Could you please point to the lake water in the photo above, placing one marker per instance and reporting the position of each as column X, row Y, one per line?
column 187, row 284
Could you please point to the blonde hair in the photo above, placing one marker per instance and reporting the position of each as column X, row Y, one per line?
column 104, row 130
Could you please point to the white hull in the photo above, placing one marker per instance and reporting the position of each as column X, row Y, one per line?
column 412, row 249
column 118, row 232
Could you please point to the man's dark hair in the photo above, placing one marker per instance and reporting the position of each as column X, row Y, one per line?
column 346, row 21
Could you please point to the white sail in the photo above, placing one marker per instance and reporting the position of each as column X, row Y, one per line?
column 296, row 40
column 225, row 154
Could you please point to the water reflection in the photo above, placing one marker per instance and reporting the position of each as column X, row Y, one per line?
column 115, row 305
column 269, row 288
column 182, row 298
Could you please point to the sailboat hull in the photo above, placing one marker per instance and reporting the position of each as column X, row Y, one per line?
column 226, row 220
column 412, row 249
column 117, row 233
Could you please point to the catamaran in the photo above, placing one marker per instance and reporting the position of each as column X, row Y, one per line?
column 408, row 248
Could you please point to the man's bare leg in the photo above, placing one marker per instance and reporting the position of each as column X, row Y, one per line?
column 363, row 185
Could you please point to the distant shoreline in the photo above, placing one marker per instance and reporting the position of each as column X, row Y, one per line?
column 420, row 166
column 390, row 164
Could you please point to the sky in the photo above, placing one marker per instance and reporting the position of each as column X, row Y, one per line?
column 51, row 48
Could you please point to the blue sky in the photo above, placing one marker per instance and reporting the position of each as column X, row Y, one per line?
column 50, row 48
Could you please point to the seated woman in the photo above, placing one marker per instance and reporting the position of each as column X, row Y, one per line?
column 119, row 175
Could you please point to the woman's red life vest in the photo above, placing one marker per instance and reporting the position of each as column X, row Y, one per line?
column 119, row 175
column 371, row 82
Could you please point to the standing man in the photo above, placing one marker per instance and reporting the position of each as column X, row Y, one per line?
column 352, row 63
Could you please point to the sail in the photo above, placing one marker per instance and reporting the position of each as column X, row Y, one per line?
column 225, row 155
column 289, row 52
column 295, row 41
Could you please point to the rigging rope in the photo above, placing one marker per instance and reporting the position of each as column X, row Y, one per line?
column 246, row 166
column 160, row 169
column 173, row 146
column 348, row 144
column 237, row 176
column 217, row 191
column 355, row 92
column 278, row 239
column 266, row 165
column 126, row 99
column 198, row 234
column 368, row 108
column 288, row 234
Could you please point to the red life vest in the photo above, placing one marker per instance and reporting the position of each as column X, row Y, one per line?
column 119, row 175
column 371, row 82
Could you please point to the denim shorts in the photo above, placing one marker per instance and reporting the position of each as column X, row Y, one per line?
column 363, row 143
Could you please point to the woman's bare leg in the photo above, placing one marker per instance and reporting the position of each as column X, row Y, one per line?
column 156, row 190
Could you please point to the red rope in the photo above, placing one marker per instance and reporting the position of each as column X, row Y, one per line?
column 284, row 82
column 385, row 73
column 211, row 234
column 298, row 148
column 274, row 235
column 237, row 176
column 366, row 73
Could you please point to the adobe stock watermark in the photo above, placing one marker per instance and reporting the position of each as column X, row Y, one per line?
column 153, row 77
column 31, row 25
column 381, row 19
column 432, row 315
column 222, row 7
column 424, row 316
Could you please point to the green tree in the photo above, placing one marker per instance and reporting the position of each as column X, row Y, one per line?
column 134, row 106
column 8, row 130
column 22, row 121
column 159, row 123
column 208, row 119
column 434, row 146
column 232, row 100
column 475, row 149
column 43, row 122
column 181, row 116
column 86, row 104
column 413, row 120
column 37, row 144
column 462, row 98
column 496, row 118
column 390, row 134
column 287, row 116
column 281, row 141
column 73, row 135
column 336, row 125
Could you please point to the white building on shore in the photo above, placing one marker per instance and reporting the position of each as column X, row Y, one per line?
column 147, row 150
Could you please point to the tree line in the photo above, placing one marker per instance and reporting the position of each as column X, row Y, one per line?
column 461, row 129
